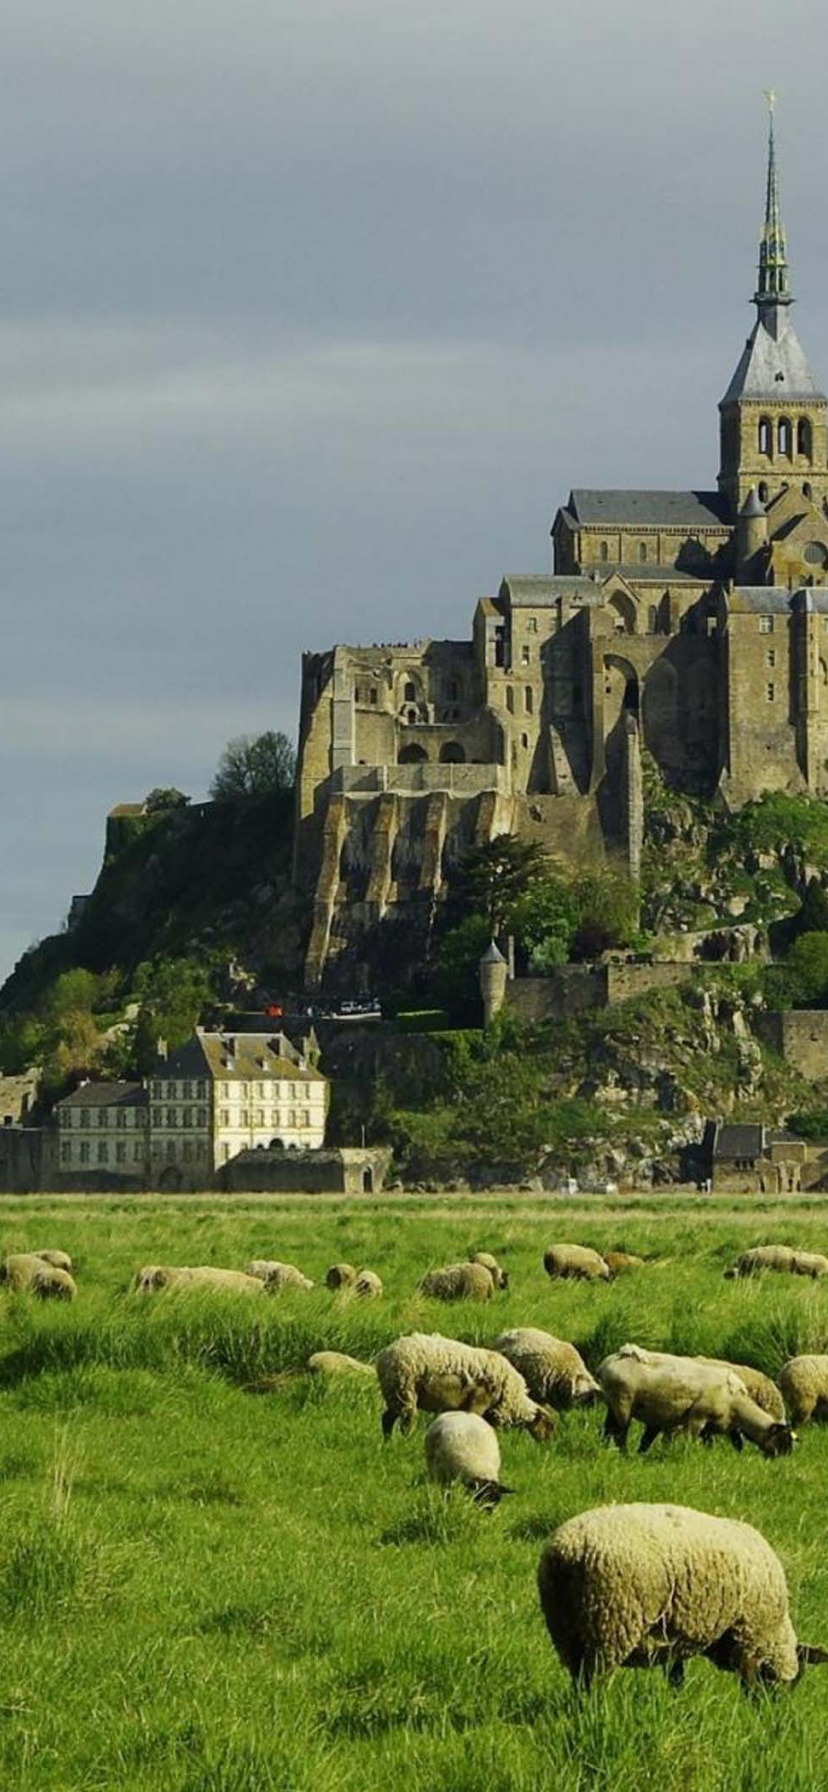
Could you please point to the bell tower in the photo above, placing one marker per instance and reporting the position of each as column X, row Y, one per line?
column 773, row 414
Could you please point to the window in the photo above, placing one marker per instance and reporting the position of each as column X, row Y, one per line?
column 202, row 1117
column 410, row 693
column 528, row 700
column 292, row 1119
column 763, row 492
column 783, row 436
column 224, row 1117
column 244, row 1117
column 374, row 693
column 510, row 699
column 120, row 1118
column 532, row 625
column 642, row 550
column 158, row 1116
column 66, row 1151
column 171, row 1117
column 803, row 437
column 525, row 654
column 306, row 1119
column 84, row 1151
column 524, row 741
column 770, row 692
column 603, row 551
column 807, row 490
column 65, row 1117
column 765, row 436
column 766, row 625
column 104, row 1120
column 186, row 1091
column 103, row 1152
column 158, row 1091
column 187, row 1117
column 120, row 1151
column 84, row 1119
column 138, row 1152
column 260, row 1119
column 770, row 656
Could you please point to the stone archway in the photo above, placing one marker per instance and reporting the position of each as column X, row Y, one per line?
column 412, row 755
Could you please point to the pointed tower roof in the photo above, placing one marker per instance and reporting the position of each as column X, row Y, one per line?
column 773, row 364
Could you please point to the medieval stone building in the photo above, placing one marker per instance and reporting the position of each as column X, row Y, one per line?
column 692, row 624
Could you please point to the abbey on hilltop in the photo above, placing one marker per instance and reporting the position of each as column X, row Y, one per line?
column 689, row 624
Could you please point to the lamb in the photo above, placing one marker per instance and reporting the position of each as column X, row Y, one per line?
column 804, row 1384
column 778, row 1257
column 459, row 1281
column 438, row 1374
column 335, row 1362
column 285, row 1275
column 619, row 1262
column 500, row 1277
column 227, row 1281
column 575, row 1260
column 340, row 1275
column 27, row 1273
column 554, row 1372
column 461, row 1447
column 368, row 1285
column 671, row 1394
column 632, row 1586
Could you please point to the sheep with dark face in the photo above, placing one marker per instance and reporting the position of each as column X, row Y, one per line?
column 669, row 1394
column 429, row 1373
column 638, row 1585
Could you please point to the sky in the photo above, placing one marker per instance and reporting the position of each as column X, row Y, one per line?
column 311, row 314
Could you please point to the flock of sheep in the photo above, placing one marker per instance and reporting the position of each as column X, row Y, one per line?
column 621, row 1585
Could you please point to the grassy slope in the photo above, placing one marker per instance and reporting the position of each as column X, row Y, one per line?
column 245, row 1593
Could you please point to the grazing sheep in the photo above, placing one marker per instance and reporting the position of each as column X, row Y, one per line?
column 554, row 1372
column 633, row 1586
column 335, row 1362
column 438, row 1374
column 227, row 1281
column 500, row 1277
column 27, row 1273
column 285, row 1275
column 804, row 1384
column 759, row 1386
column 575, row 1260
column 779, row 1257
column 619, row 1262
column 460, row 1446
column 340, row 1275
column 459, row 1281
column 58, row 1259
column 670, row 1394
column 368, row 1285
column 260, row 1267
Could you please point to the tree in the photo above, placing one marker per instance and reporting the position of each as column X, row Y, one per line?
column 493, row 878
column 254, row 766
column 608, row 913
column 806, row 970
column 456, row 969
column 160, row 801
column 545, row 920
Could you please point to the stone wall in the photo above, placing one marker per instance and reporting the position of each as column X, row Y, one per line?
column 350, row 1171
column 573, row 988
column 800, row 1036
column 25, row 1160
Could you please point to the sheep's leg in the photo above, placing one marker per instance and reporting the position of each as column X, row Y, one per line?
column 674, row 1669
column 737, row 1440
column 388, row 1422
column 648, row 1437
column 616, row 1429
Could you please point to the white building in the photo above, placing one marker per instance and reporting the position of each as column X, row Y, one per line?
column 103, row 1126
column 222, row 1093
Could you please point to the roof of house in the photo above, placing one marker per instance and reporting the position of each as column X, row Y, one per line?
column 236, row 1056
column 676, row 510
column 105, row 1095
column 746, row 1141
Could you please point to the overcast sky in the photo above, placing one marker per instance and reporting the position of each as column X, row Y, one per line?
column 311, row 313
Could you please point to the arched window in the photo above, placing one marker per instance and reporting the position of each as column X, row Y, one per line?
column 524, row 741
column 783, row 436
column 763, row 492
column 765, row 436
column 807, row 490
column 451, row 753
column 411, row 755
column 510, row 699
column 528, row 700
column 603, row 551
column 411, row 716
column 652, row 619
column 642, row 550
column 410, row 693
column 803, row 437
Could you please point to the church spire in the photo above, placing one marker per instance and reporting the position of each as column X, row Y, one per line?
column 772, row 289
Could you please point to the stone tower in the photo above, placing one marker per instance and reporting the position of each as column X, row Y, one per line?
column 773, row 415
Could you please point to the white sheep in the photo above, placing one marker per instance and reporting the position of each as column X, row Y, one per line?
column 632, row 1586
column 438, row 1374
column 780, row 1257
column 285, row 1275
column 758, row 1385
column 460, row 1446
column 25, row 1272
column 619, row 1263
column 575, row 1260
column 58, row 1259
column 670, row 1394
column 500, row 1277
column 335, row 1362
column 459, row 1281
column 554, row 1371
column 368, row 1285
column 804, row 1384
column 226, row 1281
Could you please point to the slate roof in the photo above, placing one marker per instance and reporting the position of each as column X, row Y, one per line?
column 105, row 1095
column 739, row 1142
column 772, row 367
column 676, row 510
column 236, row 1056
column 532, row 590
column 763, row 600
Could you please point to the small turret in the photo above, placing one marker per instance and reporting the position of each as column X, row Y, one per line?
column 493, row 974
column 751, row 530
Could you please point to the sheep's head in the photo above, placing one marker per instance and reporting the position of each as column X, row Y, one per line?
column 779, row 1440
column 542, row 1425
column 810, row 1655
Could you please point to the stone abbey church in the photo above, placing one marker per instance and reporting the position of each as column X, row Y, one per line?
column 692, row 625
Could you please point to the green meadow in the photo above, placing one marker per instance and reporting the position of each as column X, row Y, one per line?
column 214, row 1577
